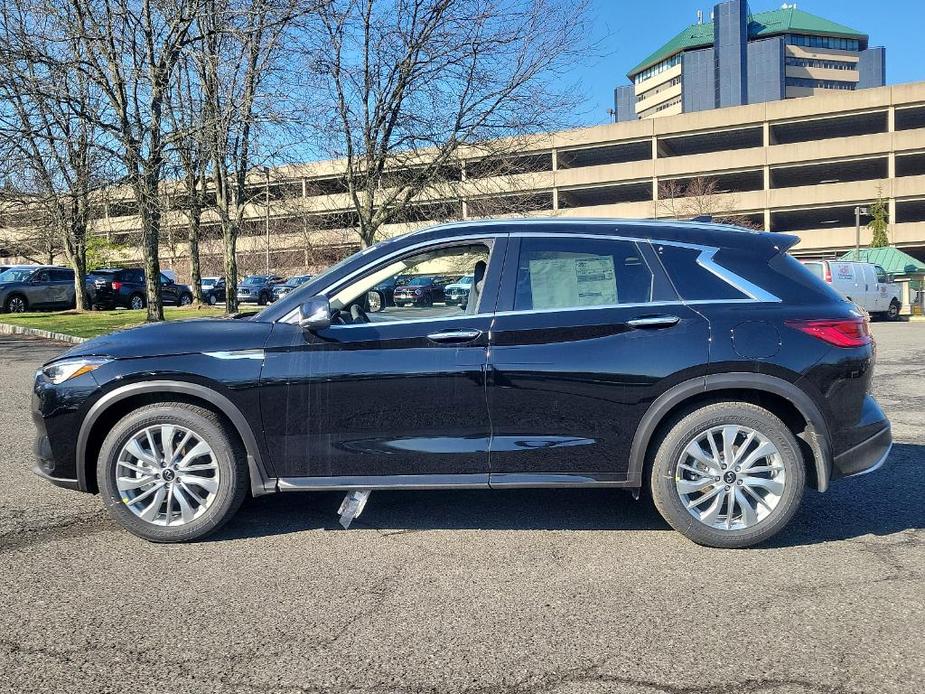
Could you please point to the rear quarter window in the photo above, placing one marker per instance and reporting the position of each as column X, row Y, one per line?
column 693, row 281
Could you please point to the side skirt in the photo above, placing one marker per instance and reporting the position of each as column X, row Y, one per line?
column 468, row 481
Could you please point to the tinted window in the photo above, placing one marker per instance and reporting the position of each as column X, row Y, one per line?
column 573, row 273
column 693, row 281
column 62, row 275
column 41, row 276
column 881, row 273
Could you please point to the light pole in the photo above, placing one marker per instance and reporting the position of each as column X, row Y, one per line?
column 858, row 211
column 266, row 219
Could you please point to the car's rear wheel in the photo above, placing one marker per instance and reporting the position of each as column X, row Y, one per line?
column 171, row 472
column 893, row 311
column 136, row 302
column 17, row 303
column 186, row 299
column 729, row 474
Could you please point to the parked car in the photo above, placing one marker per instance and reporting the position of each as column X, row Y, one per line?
column 280, row 290
column 257, row 289
column 699, row 361
column 419, row 291
column 125, row 288
column 216, row 293
column 383, row 294
column 866, row 284
column 33, row 287
column 455, row 294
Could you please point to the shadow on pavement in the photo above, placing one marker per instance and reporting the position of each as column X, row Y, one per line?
column 881, row 503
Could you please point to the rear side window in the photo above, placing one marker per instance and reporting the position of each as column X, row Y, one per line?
column 881, row 274
column 62, row 275
column 816, row 268
column 693, row 281
column 554, row 273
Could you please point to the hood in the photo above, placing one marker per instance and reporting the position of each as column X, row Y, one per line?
column 177, row 337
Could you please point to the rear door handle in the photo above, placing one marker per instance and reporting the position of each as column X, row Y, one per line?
column 653, row 322
column 455, row 336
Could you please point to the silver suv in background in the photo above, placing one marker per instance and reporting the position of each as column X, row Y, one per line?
column 27, row 287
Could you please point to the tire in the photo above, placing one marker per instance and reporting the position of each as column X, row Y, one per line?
column 892, row 312
column 788, row 476
column 262, row 300
column 16, row 303
column 186, row 299
column 212, row 300
column 217, row 502
column 136, row 302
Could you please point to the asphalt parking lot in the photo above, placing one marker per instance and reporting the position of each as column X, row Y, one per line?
column 509, row 592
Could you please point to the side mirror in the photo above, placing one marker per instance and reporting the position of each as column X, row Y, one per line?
column 315, row 314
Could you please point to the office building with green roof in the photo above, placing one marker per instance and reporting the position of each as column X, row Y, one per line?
column 741, row 58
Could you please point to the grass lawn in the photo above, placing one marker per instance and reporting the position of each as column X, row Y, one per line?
column 93, row 323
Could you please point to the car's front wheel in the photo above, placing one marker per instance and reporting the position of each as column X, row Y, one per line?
column 212, row 299
column 729, row 474
column 186, row 299
column 16, row 304
column 171, row 472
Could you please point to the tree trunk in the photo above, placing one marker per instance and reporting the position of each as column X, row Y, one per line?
column 195, row 222
column 230, row 236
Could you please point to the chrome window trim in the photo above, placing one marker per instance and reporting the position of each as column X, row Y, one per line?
column 705, row 259
column 256, row 354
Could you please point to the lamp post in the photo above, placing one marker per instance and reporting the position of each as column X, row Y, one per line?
column 858, row 211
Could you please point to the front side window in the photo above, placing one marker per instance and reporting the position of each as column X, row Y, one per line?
column 413, row 287
column 15, row 275
column 563, row 273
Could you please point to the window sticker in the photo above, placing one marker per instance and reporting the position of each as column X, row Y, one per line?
column 578, row 280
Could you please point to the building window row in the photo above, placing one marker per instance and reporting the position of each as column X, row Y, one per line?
column 820, row 84
column 661, row 107
column 659, row 89
column 827, row 64
column 658, row 68
column 838, row 44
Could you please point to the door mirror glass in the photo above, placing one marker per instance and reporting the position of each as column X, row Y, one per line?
column 315, row 314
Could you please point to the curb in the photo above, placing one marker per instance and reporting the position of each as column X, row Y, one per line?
column 7, row 329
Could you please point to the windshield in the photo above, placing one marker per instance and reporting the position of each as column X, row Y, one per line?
column 465, row 280
column 418, row 281
column 16, row 275
column 254, row 279
column 296, row 281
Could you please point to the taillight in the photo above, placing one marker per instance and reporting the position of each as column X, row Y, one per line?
column 853, row 332
column 116, row 285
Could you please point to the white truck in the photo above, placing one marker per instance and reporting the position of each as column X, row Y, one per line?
column 866, row 284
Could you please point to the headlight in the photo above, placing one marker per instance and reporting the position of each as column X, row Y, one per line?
column 64, row 370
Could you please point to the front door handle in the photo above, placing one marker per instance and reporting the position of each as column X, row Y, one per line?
column 455, row 336
column 653, row 322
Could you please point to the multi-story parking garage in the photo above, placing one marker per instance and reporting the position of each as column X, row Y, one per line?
column 799, row 165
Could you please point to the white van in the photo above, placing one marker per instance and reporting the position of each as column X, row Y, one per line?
column 866, row 284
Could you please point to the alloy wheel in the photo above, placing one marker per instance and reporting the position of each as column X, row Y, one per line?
column 16, row 305
column 167, row 475
column 730, row 477
column 137, row 303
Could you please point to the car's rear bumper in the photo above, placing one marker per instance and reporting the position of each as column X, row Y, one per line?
column 866, row 456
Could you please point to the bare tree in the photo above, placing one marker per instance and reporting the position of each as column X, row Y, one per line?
column 700, row 196
column 416, row 85
column 129, row 50
column 238, row 65
column 45, row 135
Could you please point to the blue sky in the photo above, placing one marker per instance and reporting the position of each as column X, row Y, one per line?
column 631, row 29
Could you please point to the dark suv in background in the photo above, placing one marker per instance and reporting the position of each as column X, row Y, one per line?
column 257, row 289
column 699, row 362
column 28, row 287
column 125, row 288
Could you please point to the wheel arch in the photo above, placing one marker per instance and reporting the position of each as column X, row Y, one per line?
column 118, row 402
column 787, row 401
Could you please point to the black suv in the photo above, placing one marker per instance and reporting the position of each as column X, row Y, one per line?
column 28, row 287
column 698, row 361
column 126, row 288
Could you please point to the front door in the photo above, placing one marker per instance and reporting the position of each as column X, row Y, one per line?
column 588, row 333
column 398, row 391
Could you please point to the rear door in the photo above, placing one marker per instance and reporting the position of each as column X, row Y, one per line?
column 588, row 333
column 62, row 282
